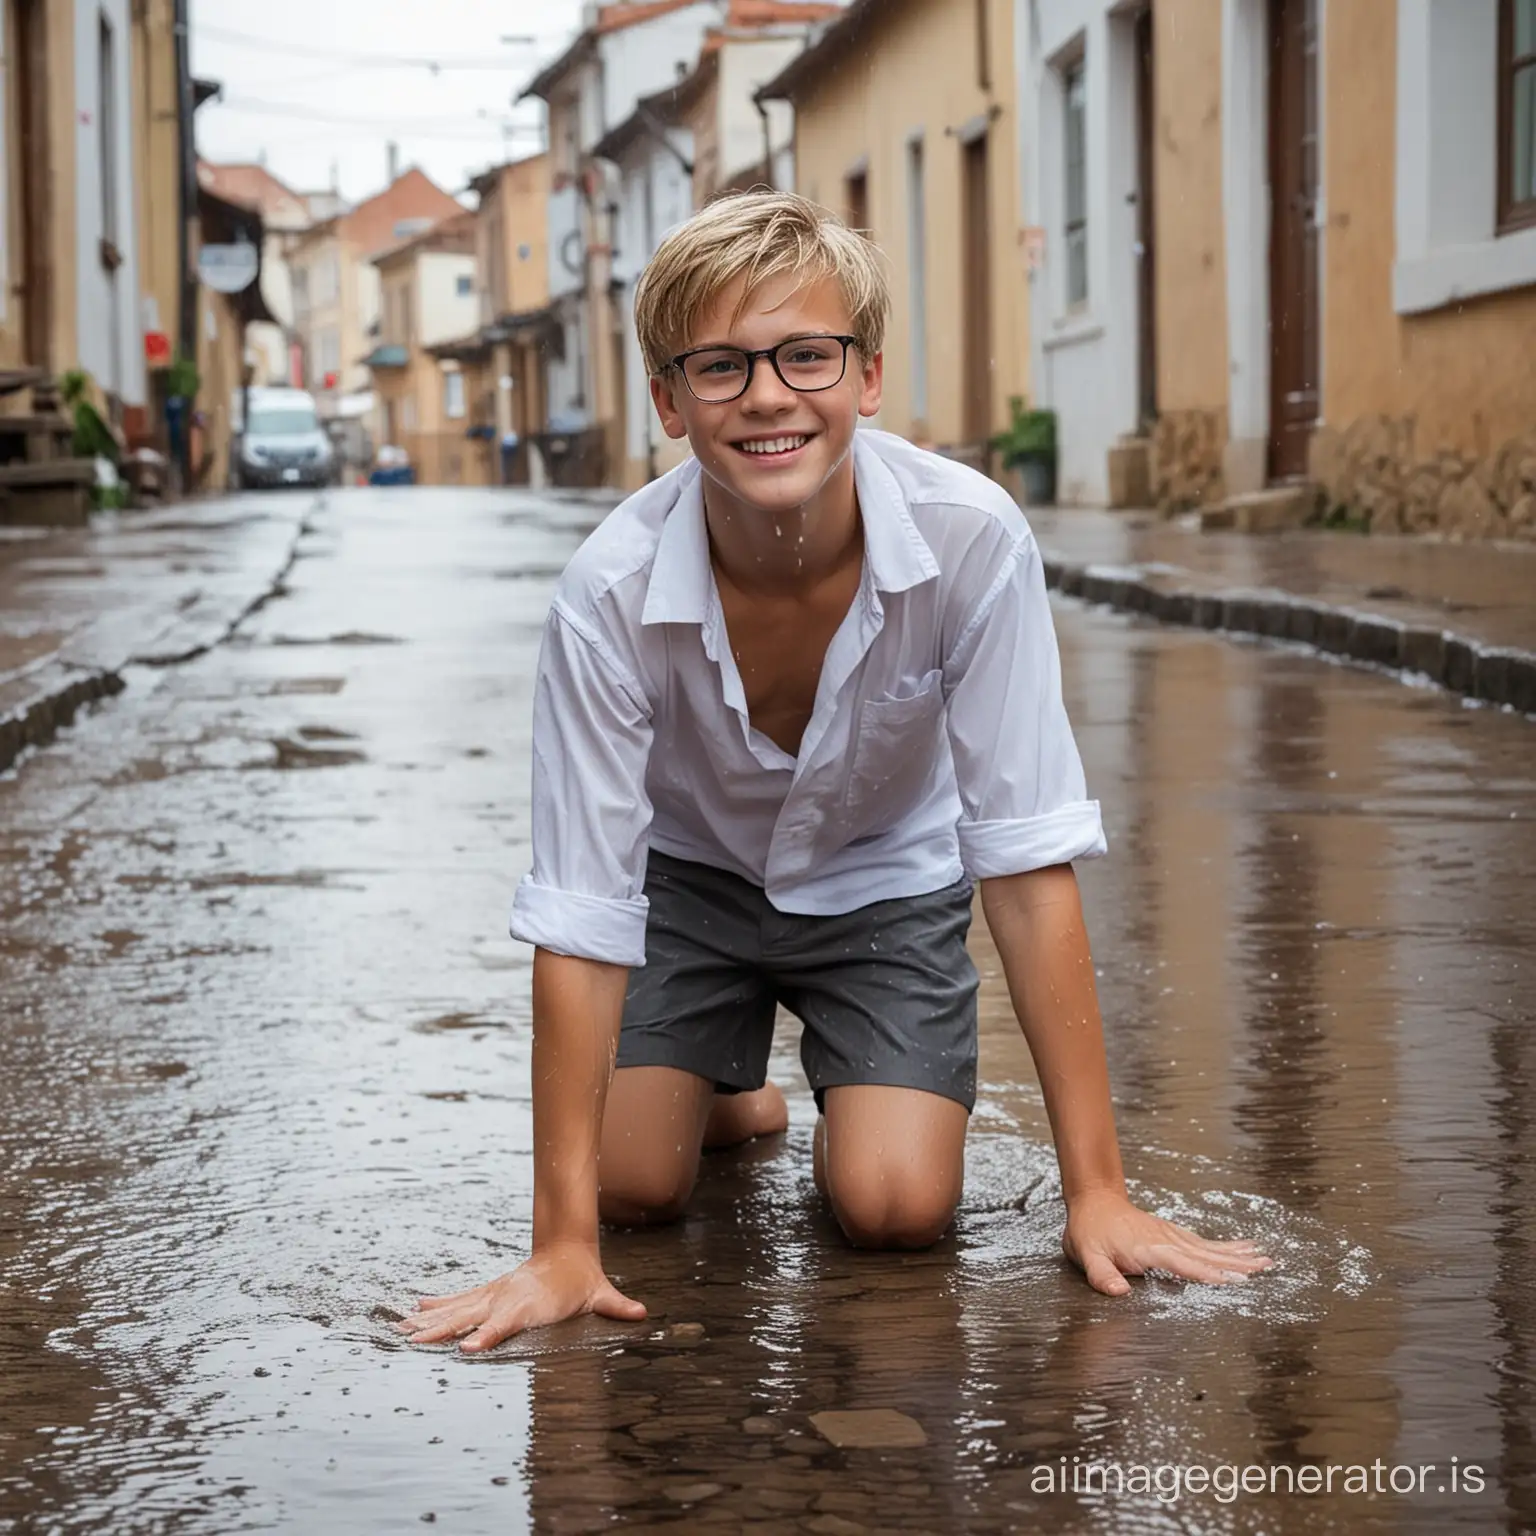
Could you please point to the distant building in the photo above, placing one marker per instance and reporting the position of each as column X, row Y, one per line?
column 272, row 350
column 502, row 358
column 679, row 148
column 624, row 53
column 423, row 403
column 336, row 286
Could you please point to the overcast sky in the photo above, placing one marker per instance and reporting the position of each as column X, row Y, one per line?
column 318, row 101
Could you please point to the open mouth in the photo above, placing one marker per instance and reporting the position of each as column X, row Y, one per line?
column 773, row 450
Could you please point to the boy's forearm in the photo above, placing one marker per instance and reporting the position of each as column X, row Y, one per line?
column 1036, row 920
column 577, row 1008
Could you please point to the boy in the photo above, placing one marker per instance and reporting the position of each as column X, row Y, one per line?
column 793, row 698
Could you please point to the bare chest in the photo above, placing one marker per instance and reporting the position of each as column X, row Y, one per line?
column 779, row 647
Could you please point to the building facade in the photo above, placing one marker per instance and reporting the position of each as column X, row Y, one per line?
column 423, row 402
column 335, row 284
column 905, row 123
column 1086, row 144
column 1347, row 253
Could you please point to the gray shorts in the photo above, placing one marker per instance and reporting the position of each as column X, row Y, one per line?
column 887, row 994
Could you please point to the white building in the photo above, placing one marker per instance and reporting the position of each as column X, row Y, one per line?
column 1085, row 137
column 110, row 327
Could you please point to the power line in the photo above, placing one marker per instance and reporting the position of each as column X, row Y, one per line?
column 367, row 60
column 402, row 125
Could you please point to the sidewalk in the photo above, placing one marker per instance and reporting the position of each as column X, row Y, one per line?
column 80, row 605
column 1462, row 614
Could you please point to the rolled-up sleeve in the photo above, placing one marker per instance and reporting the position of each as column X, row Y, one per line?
column 591, row 816
column 1024, row 802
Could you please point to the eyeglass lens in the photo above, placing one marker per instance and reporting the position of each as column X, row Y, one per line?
column 805, row 363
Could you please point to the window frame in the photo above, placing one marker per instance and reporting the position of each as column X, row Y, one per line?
column 1074, row 72
column 1511, row 215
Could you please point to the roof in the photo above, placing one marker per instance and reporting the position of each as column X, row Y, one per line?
column 653, row 113
column 614, row 17
column 773, row 13
column 254, row 186
column 370, row 227
column 455, row 234
column 387, row 356
column 491, row 176
column 857, row 21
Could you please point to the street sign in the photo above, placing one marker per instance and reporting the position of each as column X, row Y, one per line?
column 227, row 268
column 157, row 349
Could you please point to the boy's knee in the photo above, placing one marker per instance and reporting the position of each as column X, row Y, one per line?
column 643, row 1197
column 885, row 1213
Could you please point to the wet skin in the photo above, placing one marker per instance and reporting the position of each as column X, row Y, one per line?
column 787, row 549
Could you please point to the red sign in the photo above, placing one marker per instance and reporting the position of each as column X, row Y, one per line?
column 157, row 349
column 330, row 381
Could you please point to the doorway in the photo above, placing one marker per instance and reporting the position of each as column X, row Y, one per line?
column 1146, row 228
column 34, row 164
column 976, row 296
column 1293, row 248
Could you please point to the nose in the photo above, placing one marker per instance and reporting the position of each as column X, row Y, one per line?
column 767, row 391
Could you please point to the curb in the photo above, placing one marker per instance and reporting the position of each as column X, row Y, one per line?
column 68, row 688
column 1490, row 673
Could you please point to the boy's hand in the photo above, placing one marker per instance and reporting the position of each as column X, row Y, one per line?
column 556, row 1283
column 1108, row 1238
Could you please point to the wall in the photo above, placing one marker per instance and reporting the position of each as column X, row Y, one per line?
column 746, row 64
column 157, row 167
column 1085, row 358
column 1191, row 264
column 443, row 313
column 656, row 194
column 1429, row 418
column 109, row 338
column 524, row 194
column 917, row 72
column 639, row 60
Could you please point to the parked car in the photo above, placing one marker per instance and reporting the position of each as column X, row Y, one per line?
column 392, row 466
column 283, row 443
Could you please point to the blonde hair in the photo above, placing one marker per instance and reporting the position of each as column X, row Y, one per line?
column 756, row 236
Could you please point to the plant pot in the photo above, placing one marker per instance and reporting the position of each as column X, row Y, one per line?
column 1037, row 478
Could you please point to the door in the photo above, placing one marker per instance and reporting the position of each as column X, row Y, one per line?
column 976, row 295
column 34, row 161
column 1293, row 265
column 1146, row 229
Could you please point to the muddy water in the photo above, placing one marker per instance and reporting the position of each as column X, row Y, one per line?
column 263, row 1077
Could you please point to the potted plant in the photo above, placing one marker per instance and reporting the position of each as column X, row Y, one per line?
column 1029, row 447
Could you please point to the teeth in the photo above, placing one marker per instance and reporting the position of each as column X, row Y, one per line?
column 772, row 444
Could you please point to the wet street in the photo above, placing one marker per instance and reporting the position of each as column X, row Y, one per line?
column 264, row 1080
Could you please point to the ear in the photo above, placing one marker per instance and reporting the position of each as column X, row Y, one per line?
column 672, row 422
column 872, row 384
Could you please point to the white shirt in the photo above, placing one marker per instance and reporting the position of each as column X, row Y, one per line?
column 938, row 744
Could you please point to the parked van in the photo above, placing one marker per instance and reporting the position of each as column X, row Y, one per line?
column 283, row 444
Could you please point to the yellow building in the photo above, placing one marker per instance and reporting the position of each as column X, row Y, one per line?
column 423, row 402
column 1347, row 257
column 335, row 285
column 906, row 124
column 502, row 357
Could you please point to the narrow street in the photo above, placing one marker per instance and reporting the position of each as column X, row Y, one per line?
column 264, row 1056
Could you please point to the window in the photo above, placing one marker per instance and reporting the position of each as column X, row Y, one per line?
column 856, row 199
column 464, row 285
column 106, row 144
column 453, row 395
column 1076, row 186
column 1517, row 115
column 405, row 228
column 917, row 269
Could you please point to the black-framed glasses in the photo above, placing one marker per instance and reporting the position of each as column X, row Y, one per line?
column 804, row 363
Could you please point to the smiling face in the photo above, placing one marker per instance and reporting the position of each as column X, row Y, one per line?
column 773, row 449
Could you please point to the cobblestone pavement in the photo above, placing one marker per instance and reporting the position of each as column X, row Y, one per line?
column 263, row 1079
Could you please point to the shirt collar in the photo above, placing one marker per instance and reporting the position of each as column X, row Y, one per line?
column 896, row 554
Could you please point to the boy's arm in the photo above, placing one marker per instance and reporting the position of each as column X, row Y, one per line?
column 1036, row 920
column 576, row 1010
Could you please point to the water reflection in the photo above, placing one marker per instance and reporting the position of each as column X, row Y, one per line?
column 263, row 1072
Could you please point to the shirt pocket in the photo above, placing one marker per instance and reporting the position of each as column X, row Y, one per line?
column 896, row 748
